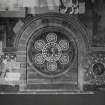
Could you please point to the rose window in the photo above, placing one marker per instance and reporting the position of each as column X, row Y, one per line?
column 52, row 54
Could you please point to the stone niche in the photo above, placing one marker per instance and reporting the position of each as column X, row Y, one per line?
column 51, row 49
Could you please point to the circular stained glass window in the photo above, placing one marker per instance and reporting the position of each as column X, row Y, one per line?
column 52, row 52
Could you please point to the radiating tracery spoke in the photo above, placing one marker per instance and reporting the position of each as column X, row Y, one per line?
column 39, row 44
column 51, row 66
column 51, row 37
column 64, row 44
column 64, row 59
column 38, row 59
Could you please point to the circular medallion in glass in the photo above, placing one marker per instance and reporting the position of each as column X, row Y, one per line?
column 64, row 59
column 64, row 44
column 51, row 52
column 51, row 66
column 51, row 37
column 38, row 59
column 39, row 44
